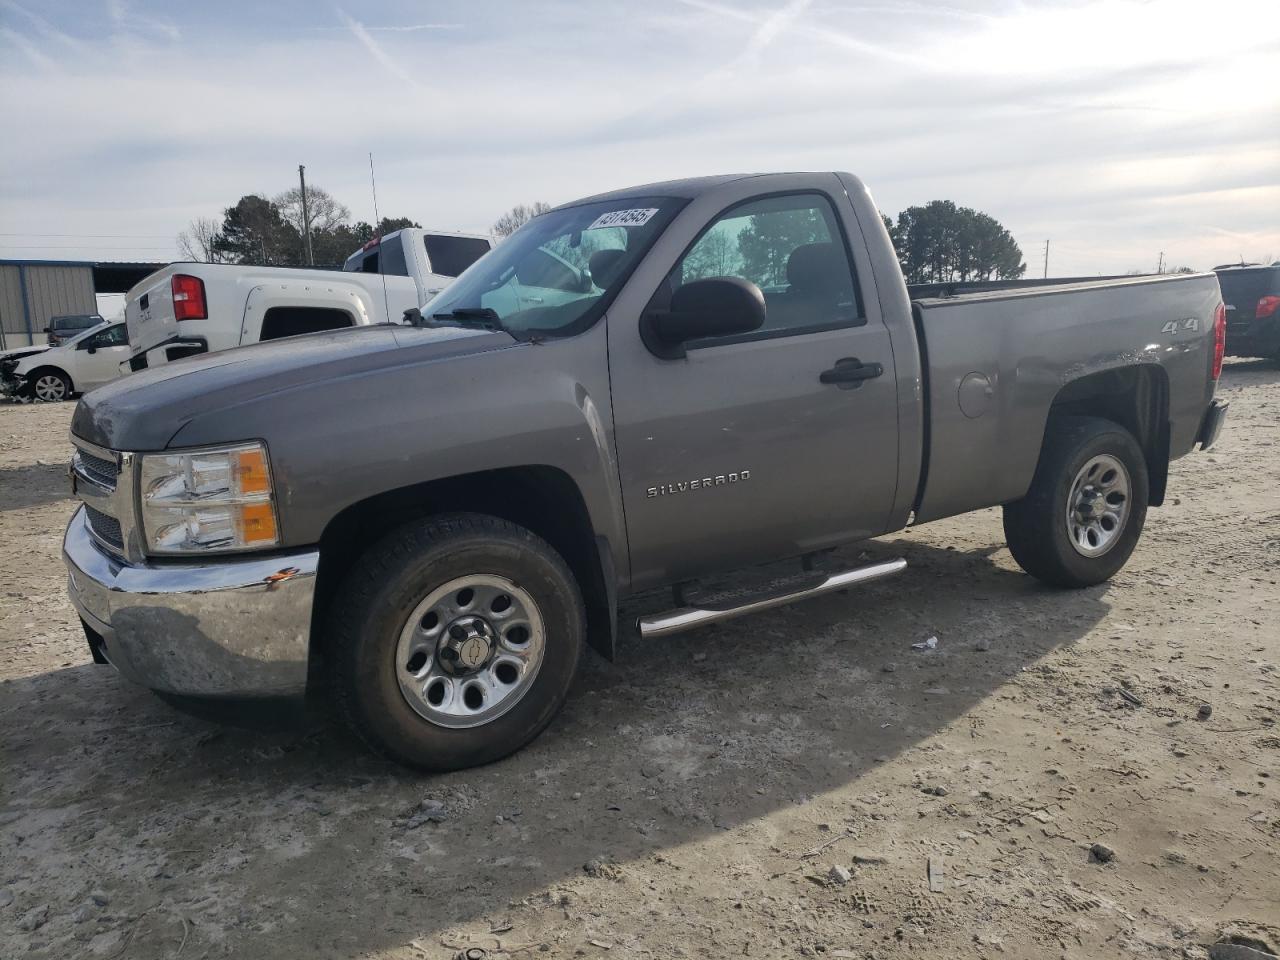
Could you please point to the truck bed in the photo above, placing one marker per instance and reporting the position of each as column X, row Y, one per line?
column 996, row 359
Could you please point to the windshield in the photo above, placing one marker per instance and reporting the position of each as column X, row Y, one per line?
column 556, row 275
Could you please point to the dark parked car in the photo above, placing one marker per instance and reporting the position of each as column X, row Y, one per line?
column 1252, row 295
column 62, row 329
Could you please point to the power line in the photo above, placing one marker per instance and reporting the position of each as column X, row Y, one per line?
column 75, row 246
column 96, row 236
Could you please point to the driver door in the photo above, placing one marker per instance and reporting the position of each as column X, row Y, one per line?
column 749, row 449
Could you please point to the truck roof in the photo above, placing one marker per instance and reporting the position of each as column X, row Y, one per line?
column 686, row 189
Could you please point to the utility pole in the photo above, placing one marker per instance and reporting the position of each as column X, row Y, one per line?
column 1160, row 263
column 306, row 219
column 1046, row 259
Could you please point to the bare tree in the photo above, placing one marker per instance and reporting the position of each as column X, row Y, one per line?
column 324, row 212
column 517, row 217
column 199, row 241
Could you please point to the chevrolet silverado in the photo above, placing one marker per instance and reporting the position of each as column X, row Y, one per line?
column 429, row 523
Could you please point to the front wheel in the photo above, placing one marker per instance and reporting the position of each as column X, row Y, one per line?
column 1081, row 519
column 50, row 386
column 455, row 642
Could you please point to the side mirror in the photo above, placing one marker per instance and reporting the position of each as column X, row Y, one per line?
column 48, row 330
column 90, row 349
column 716, row 307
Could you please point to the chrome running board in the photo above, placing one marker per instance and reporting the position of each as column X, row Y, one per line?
column 687, row 618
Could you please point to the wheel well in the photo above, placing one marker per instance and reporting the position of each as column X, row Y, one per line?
column 540, row 498
column 50, row 368
column 1137, row 398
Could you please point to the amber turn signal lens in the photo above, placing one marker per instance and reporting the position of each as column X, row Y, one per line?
column 257, row 523
column 251, row 471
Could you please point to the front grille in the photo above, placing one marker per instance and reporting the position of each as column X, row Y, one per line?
column 104, row 471
column 105, row 528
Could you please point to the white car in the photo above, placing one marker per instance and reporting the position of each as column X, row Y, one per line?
column 86, row 361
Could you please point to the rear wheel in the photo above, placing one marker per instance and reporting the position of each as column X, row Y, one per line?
column 455, row 642
column 50, row 385
column 1084, row 513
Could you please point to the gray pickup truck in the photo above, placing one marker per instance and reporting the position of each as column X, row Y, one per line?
column 430, row 522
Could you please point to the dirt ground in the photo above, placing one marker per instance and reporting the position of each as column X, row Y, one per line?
column 695, row 796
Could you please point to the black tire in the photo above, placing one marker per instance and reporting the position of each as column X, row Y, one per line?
column 373, row 606
column 50, row 373
column 1035, row 527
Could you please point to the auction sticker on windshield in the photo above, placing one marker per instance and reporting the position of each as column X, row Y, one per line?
column 624, row 218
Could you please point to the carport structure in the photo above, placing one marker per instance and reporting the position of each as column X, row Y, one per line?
column 32, row 291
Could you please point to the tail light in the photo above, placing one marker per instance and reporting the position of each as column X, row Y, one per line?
column 188, row 297
column 1219, row 338
column 1266, row 307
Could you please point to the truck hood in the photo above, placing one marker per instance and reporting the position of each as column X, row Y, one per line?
column 143, row 411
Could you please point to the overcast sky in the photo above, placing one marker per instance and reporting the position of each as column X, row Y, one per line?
column 1116, row 129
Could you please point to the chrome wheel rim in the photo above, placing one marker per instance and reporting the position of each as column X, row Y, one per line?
column 470, row 651
column 1098, row 506
column 49, row 388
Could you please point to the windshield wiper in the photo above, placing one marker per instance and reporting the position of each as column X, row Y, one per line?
column 486, row 317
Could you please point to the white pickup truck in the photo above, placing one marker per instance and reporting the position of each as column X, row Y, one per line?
column 191, row 308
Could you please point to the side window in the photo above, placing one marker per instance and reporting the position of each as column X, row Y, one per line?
column 117, row 336
column 790, row 247
column 392, row 257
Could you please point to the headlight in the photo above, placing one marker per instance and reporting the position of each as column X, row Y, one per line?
column 215, row 499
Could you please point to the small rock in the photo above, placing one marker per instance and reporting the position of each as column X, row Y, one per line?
column 429, row 811
column 1101, row 853
column 498, row 819
column 1205, row 711
column 6, row 898
column 838, row 875
column 34, row 919
column 889, row 668
column 983, row 645
column 601, row 869
column 699, row 657
column 936, row 790
column 99, row 898
column 575, row 795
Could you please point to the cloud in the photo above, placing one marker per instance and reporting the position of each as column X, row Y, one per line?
column 42, row 26
column 362, row 34
column 415, row 27
column 124, row 18
column 1154, row 146
column 33, row 52
column 773, row 25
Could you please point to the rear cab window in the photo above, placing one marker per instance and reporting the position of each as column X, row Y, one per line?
column 449, row 256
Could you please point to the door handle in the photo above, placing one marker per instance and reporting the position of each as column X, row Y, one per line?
column 849, row 372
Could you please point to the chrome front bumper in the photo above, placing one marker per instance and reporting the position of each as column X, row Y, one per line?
column 227, row 627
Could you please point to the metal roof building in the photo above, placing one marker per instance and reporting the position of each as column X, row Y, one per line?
column 32, row 291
